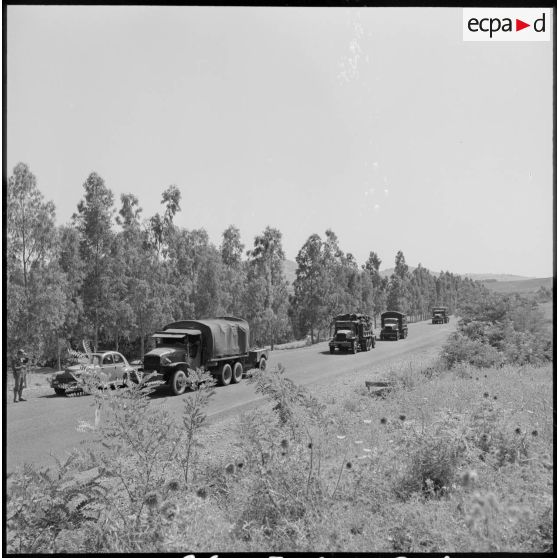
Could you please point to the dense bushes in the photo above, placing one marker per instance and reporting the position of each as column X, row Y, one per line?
column 495, row 329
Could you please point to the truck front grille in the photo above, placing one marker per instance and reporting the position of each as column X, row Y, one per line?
column 151, row 362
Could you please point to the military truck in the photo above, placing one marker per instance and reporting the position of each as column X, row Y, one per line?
column 440, row 315
column 394, row 326
column 352, row 332
column 218, row 345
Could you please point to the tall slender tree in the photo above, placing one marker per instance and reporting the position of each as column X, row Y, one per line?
column 94, row 221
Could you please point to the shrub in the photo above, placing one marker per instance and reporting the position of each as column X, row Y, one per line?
column 460, row 349
column 122, row 492
column 431, row 467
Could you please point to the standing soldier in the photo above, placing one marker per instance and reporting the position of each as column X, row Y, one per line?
column 19, row 367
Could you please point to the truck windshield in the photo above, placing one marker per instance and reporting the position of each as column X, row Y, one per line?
column 390, row 321
column 169, row 341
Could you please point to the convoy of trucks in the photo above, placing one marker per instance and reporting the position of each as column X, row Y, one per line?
column 440, row 315
column 221, row 347
column 352, row 332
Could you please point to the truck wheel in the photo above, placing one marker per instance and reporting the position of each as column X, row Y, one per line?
column 59, row 391
column 224, row 376
column 237, row 373
column 397, row 336
column 332, row 350
column 179, row 382
column 263, row 364
column 364, row 346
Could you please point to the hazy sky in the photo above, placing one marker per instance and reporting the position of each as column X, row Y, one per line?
column 381, row 124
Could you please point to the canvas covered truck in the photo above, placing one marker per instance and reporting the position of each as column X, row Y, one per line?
column 352, row 332
column 440, row 315
column 394, row 326
column 219, row 345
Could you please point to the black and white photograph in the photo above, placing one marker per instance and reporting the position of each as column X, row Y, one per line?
column 279, row 279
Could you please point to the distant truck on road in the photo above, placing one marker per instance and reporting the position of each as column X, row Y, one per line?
column 440, row 315
column 394, row 325
column 218, row 345
column 352, row 332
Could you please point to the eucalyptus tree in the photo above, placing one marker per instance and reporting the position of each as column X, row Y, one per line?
column 94, row 221
column 267, row 285
column 308, row 306
column 234, row 273
column 36, row 286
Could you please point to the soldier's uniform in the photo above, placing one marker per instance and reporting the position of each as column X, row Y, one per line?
column 19, row 368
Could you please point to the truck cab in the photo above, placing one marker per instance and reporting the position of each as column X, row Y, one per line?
column 175, row 351
column 352, row 332
column 440, row 315
column 394, row 326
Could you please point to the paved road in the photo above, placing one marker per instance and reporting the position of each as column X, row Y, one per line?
column 45, row 425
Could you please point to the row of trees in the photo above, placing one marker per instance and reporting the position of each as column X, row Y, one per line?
column 114, row 276
column 329, row 281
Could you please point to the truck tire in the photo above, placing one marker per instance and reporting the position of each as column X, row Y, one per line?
column 224, row 376
column 263, row 364
column 179, row 382
column 59, row 391
column 364, row 345
column 332, row 350
column 237, row 372
column 397, row 336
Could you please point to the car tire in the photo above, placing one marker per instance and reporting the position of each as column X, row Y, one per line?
column 224, row 376
column 262, row 364
column 237, row 372
column 179, row 382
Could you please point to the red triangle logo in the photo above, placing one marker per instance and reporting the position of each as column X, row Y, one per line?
column 519, row 25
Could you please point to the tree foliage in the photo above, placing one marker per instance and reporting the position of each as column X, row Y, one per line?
column 113, row 276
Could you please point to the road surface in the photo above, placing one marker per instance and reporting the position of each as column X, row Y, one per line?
column 45, row 425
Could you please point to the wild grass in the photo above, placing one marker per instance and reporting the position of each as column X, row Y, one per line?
column 453, row 460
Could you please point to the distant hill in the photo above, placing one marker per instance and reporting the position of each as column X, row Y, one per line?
column 500, row 277
column 389, row 272
column 522, row 286
column 499, row 282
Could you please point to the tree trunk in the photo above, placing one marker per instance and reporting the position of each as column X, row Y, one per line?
column 58, row 347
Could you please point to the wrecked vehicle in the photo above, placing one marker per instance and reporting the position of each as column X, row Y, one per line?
column 109, row 368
